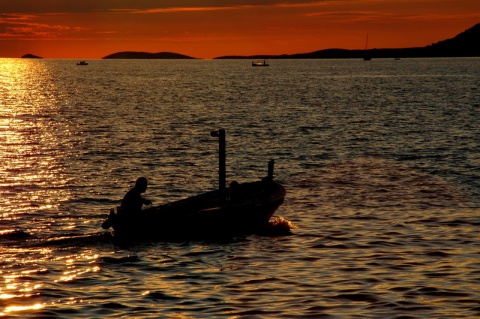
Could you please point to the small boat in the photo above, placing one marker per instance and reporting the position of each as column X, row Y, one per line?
column 237, row 210
column 82, row 63
column 259, row 63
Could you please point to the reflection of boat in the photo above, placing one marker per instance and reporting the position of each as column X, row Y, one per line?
column 259, row 63
column 240, row 209
column 82, row 63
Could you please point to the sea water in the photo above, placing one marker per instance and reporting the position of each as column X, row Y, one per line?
column 380, row 159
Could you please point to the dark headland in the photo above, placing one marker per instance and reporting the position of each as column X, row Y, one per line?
column 465, row 44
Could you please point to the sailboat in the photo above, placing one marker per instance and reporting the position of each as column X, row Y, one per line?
column 366, row 56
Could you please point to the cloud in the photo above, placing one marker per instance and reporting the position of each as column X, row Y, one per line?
column 15, row 17
column 353, row 15
column 172, row 10
column 24, row 26
column 382, row 16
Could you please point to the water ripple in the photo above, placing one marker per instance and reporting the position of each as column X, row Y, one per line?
column 380, row 162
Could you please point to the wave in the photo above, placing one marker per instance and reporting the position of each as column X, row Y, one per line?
column 279, row 226
column 21, row 238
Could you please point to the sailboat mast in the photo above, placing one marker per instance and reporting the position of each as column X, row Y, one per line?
column 366, row 56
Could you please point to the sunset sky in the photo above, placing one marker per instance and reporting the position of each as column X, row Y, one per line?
column 91, row 29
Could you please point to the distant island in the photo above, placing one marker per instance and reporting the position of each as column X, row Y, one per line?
column 465, row 44
column 31, row 56
column 146, row 55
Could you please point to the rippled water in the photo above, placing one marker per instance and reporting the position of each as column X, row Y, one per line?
column 380, row 160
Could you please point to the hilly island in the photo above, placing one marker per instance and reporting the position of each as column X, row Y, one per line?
column 465, row 44
column 146, row 55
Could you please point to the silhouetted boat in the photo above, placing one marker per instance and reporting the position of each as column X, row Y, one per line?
column 240, row 209
column 82, row 63
column 260, row 63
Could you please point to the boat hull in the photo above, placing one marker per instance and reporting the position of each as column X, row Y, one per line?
column 203, row 216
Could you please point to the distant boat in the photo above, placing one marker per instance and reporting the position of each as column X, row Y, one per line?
column 82, row 63
column 260, row 63
column 367, row 56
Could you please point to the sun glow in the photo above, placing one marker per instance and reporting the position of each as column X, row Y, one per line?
column 94, row 29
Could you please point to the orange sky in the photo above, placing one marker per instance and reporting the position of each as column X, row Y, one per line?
column 91, row 29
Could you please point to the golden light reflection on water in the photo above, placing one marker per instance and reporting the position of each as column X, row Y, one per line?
column 32, row 176
column 30, row 170
column 21, row 289
column 10, row 309
column 71, row 275
column 74, row 271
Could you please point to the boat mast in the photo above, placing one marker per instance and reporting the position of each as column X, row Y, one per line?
column 366, row 56
column 222, row 158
